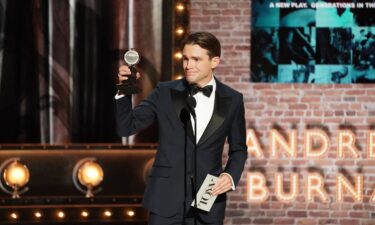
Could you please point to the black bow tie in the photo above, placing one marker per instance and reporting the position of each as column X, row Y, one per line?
column 207, row 90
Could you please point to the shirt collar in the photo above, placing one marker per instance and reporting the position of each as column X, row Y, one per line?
column 212, row 82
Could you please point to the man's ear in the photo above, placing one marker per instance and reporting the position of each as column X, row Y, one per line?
column 215, row 62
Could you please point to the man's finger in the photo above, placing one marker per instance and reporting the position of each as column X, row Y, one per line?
column 221, row 189
column 122, row 78
column 124, row 70
column 221, row 186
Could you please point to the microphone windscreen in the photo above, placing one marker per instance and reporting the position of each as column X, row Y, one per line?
column 184, row 115
column 190, row 100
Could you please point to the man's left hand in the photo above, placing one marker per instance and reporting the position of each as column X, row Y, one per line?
column 223, row 185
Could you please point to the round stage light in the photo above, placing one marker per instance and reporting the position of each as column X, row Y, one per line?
column 16, row 175
column 89, row 174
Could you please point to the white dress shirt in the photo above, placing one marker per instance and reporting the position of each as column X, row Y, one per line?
column 203, row 110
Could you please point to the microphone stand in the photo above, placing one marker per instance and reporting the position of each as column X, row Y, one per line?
column 195, row 172
column 191, row 103
column 184, row 117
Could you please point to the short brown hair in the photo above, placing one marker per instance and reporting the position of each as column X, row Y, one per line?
column 206, row 41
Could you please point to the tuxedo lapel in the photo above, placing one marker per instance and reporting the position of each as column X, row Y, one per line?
column 221, row 109
column 178, row 99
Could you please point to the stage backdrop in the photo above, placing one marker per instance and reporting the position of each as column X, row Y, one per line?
column 59, row 62
column 310, row 41
column 286, row 107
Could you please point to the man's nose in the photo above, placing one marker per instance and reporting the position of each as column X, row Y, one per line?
column 189, row 64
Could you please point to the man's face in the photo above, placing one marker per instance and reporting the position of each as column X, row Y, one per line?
column 197, row 64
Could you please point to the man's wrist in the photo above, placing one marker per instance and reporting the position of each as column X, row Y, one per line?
column 231, row 179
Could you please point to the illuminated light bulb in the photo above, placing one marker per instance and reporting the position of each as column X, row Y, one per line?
column 90, row 174
column 107, row 213
column 356, row 191
column 372, row 199
column 179, row 31
column 371, row 145
column 179, row 77
column 278, row 141
column 346, row 139
column 315, row 184
column 16, row 175
column 178, row 55
column 180, row 7
column 38, row 214
column 130, row 213
column 256, row 187
column 280, row 194
column 61, row 214
column 317, row 135
column 84, row 214
column 253, row 146
column 14, row 216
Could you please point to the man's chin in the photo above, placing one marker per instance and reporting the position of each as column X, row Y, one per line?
column 190, row 80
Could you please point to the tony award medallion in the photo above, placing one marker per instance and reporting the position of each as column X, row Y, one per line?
column 128, row 87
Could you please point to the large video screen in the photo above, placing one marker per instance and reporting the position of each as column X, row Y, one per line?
column 310, row 41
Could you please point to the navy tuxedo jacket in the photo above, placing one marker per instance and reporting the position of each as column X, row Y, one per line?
column 164, row 194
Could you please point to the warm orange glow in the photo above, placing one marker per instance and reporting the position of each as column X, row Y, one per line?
column 253, row 146
column 317, row 144
column 180, row 7
column 179, row 31
column 256, row 186
column 294, row 186
column 130, row 213
column 372, row 199
column 14, row 216
column 343, row 184
column 258, row 191
column 179, row 77
column 61, row 214
column 38, row 214
column 90, row 174
column 16, row 174
column 346, row 140
column 312, row 139
column 315, row 185
column 277, row 141
column 371, row 145
column 107, row 213
column 178, row 55
column 84, row 214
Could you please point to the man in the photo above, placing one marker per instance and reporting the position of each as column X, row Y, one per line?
column 219, row 116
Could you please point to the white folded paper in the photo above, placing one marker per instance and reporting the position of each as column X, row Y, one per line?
column 205, row 199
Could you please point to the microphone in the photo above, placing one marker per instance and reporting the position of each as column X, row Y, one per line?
column 191, row 103
column 188, row 109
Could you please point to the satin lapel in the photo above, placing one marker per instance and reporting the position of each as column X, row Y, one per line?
column 179, row 102
column 178, row 99
column 221, row 109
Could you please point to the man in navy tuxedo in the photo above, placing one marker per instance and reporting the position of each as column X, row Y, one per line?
column 219, row 114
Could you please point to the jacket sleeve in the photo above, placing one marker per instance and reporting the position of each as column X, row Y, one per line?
column 237, row 144
column 130, row 121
